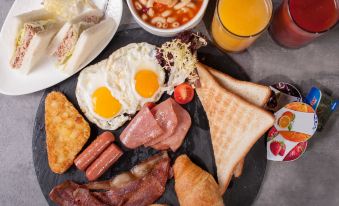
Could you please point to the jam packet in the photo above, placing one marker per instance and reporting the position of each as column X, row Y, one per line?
column 282, row 94
column 323, row 104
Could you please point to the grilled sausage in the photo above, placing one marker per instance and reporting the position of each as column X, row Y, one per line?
column 104, row 161
column 93, row 150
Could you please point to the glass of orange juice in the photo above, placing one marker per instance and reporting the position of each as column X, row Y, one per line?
column 238, row 23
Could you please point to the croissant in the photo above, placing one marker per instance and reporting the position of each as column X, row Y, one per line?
column 195, row 186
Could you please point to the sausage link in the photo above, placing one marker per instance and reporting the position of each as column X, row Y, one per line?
column 104, row 161
column 93, row 150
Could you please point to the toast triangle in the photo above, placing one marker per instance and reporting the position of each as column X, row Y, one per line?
column 253, row 93
column 235, row 124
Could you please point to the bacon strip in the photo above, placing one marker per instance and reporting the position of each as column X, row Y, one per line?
column 142, row 186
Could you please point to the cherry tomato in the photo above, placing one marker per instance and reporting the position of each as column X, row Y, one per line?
column 150, row 105
column 183, row 93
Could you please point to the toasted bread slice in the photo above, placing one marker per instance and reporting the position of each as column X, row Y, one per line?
column 237, row 171
column 253, row 93
column 66, row 132
column 235, row 124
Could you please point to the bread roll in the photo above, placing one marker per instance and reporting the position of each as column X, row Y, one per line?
column 193, row 185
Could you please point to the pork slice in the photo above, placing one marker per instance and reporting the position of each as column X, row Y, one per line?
column 72, row 194
column 118, row 194
column 166, row 117
column 152, row 185
column 145, row 192
column 175, row 140
column 143, row 128
column 84, row 198
column 63, row 194
column 145, row 188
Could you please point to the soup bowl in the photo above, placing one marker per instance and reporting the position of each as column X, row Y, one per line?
column 168, row 32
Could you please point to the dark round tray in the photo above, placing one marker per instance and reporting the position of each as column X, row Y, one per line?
column 197, row 145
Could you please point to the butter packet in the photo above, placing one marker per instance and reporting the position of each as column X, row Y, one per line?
column 294, row 124
column 323, row 104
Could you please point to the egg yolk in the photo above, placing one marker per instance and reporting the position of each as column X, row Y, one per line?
column 104, row 103
column 146, row 83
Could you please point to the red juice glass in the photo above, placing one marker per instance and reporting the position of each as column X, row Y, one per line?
column 298, row 22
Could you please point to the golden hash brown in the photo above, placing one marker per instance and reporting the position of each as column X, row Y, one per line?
column 66, row 132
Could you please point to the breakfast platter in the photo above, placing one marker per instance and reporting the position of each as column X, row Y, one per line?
column 197, row 144
column 45, row 74
column 156, row 116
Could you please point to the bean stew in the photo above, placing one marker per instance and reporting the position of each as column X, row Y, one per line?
column 167, row 14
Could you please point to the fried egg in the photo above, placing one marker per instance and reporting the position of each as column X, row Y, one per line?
column 147, row 76
column 113, row 90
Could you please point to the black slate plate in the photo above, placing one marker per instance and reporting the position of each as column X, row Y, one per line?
column 197, row 145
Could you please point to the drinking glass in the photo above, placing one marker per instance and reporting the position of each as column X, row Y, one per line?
column 298, row 22
column 238, row 23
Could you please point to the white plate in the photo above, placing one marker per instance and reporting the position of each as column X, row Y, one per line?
column 45, row 75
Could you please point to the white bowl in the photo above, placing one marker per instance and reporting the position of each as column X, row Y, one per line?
column 168, row 32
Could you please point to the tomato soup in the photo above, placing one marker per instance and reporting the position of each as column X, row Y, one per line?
column 167, row 14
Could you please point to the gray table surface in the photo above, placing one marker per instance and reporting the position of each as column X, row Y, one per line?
column 311, row 180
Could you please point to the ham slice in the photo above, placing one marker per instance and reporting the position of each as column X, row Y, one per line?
column 166, row 117
column 175, row 140
column 143, row 128
column 163, row 127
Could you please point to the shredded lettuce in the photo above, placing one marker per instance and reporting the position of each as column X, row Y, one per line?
column 180, row 62
column 20, row 38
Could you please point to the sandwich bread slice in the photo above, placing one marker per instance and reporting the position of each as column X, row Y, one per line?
column 235, row 124
column 253, row 93
column 29, row 38
column 77, row 39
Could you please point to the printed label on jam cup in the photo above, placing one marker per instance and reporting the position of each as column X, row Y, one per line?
column 294, row 124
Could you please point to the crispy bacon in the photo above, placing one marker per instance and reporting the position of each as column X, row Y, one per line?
column 142, row 186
